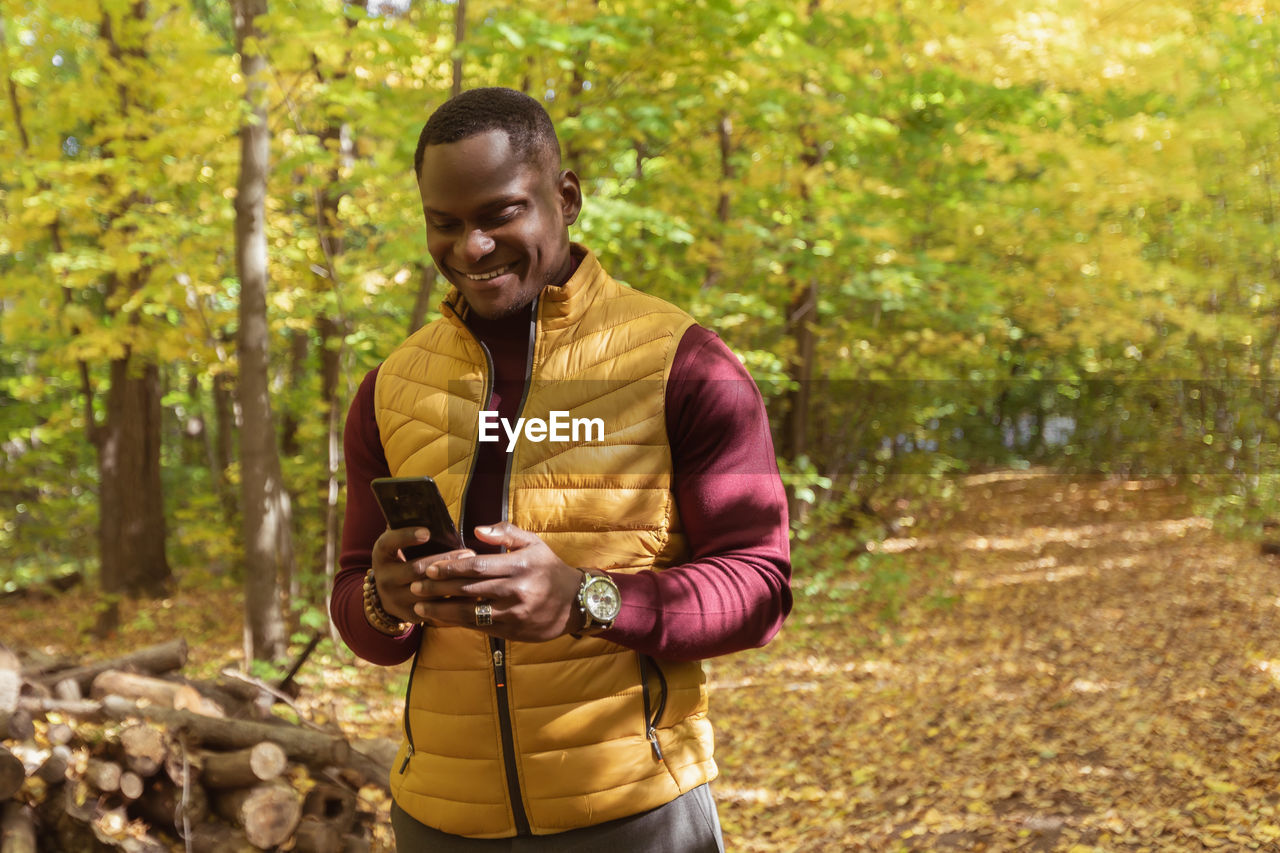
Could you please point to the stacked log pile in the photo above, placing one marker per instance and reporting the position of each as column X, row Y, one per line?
column 127, row 755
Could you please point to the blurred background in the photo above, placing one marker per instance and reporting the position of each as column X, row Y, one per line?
column 946, row 238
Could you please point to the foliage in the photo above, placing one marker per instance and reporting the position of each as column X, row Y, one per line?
column 1039, row 236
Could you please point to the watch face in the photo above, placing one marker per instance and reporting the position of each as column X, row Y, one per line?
column 601, row 600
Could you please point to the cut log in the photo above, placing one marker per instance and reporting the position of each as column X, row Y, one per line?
column 170, row 694
column 17, row 829
column 268, row 813
column 36, row 662
column 234, row 698
column 78, row 821
column 131, row 786
column 166, row 805
column 53, row 770
column 145, row 748
column 103, row 775
column 111, row 829
column 17, row 725
column 12, row 774
column 153, row 660
column 181, row 765
column 217, row 837
column 68, row 689
column 259, row 694
column 9, row 662
column 369, row 770
column 314, row 748
column 84, row 709
column 334, row 805
column 315, row 836
column 356, row 844
column 60, row 734
column 191, row 699
column 243, row 768
column 10, row 690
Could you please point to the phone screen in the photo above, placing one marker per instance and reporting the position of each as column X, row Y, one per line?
column 416, row 502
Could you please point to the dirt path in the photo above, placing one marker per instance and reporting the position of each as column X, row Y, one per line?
column 1107, row 678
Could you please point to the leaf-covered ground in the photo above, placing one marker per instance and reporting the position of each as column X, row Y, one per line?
column 1105, row 679
column 1101, row 674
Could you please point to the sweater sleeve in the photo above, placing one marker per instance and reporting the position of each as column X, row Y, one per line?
column 734, row 592
column 361, row 527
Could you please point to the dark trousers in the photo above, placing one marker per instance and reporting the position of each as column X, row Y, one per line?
column 687, row 824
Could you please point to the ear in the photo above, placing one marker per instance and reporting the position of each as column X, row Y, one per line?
column 570, row 196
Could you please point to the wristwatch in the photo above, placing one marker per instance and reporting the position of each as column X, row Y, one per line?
column 599, row 601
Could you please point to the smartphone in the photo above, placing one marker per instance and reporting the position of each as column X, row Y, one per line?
column 416, row 502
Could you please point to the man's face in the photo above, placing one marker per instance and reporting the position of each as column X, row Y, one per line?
column 497, row 227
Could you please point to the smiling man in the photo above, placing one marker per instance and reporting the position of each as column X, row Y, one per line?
column 556, row 699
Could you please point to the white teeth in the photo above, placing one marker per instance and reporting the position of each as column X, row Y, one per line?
column 490, row 275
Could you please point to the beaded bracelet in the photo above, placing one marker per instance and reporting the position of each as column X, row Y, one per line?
column 380, row 619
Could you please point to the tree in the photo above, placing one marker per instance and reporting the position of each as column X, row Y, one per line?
column 265, row 506
column 103, row 202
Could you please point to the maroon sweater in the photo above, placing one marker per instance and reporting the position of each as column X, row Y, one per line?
column 732, row 594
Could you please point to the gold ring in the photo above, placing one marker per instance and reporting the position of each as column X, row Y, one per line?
column 484, row 614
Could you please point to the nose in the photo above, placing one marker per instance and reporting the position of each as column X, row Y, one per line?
column 476, row 244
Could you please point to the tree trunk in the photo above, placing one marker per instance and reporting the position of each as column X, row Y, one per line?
column 422, row 302
column 224, row 446
column 459, row 37
column 801, row 316
column 332, row 335
column 263, row 500
column 131, row 522
column 715, row 269
column 299, row 349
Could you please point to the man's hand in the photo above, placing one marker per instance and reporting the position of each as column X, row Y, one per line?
column 393, row 575
column 531, row 591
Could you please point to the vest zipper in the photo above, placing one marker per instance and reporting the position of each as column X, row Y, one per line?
column 651, row 721
column 408, row 734
column 485, row 391
column 498, row 646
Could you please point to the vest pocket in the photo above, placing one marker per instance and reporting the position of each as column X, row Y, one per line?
column 408, row 731
column 652, row 715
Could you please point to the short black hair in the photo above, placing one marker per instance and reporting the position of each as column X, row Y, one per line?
column 475, row 111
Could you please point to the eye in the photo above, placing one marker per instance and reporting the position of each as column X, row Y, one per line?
column 506, row 214
column 442, row 225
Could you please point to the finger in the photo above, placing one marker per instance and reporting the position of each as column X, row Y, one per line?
column 453, row 611
column 490, row 588
column 424, row 562
column 391, row 541
column 474, row 566
column 506, row 534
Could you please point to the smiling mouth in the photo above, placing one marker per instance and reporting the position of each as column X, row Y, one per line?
column 490, row 275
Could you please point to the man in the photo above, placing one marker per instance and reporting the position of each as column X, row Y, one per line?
column 556, row 699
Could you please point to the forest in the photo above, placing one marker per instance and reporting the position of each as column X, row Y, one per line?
column 941, row 237
column 946, row 239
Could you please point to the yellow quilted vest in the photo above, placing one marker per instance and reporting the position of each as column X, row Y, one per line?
column 545, row 737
